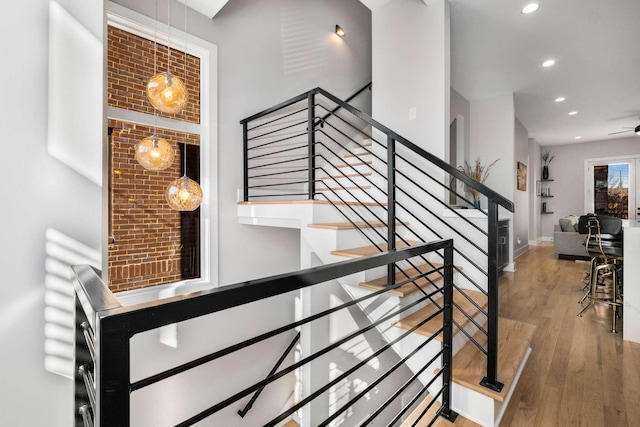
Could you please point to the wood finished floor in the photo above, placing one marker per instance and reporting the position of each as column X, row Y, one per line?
column 579, row 373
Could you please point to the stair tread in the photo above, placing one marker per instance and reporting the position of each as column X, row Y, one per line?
column 347, row 175
column 440, row 421
column 364, row 187
column 307, row 202
column 369, row 250
column 354, row 164
column 401, row 276
column 349, row 225
column 434, row 325
column 469, row 364
column 291, row 423
column 365, row 153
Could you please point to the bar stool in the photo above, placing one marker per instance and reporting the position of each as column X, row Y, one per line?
column 604, row 246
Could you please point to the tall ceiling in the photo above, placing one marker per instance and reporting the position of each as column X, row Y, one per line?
column 495, row 49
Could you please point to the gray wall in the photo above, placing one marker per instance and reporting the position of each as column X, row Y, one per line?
column 567, row 171
column 460, row 106
column 41, row 193
column 520, row 235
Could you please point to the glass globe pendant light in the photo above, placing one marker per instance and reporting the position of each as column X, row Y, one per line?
column 165, row 91
column 184, row 194
column 154, row 153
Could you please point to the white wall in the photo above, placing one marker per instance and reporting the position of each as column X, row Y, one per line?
column 520, row 235
column 41, row 193
column 567, row 171
column 38, row 192
column 411, row 70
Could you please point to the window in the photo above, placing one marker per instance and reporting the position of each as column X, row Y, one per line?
column 151, row 241
column 611, row 190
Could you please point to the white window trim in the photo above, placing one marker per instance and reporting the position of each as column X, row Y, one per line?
column 141, row 25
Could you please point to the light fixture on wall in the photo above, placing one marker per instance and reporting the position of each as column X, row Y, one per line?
column 154, row 153
column 165, row 91
column 340, row 31
column 184, row 194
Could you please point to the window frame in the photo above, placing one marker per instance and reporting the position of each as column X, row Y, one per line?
column 143, row 26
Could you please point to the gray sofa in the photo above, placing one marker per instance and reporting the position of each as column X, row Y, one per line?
column 567, row 242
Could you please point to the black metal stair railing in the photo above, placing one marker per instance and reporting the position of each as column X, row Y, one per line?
column 115, row 325
column 300, row 149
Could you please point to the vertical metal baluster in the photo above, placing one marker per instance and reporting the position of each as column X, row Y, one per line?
column 447, row 338
column 311, row 138
column 245, row 160
column 491, row 380
column 391, row 206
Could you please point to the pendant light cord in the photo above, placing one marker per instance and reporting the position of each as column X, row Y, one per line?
column 186, row 13
column 169, row 37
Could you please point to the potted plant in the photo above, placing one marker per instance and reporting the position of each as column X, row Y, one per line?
column 480, row 173
column 547, row 157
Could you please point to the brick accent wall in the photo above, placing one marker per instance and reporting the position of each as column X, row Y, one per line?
column 147, row 246
column 146, row 232
column 130, row 63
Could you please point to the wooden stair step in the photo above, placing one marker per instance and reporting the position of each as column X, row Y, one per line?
column 439, row 422
column 347, row 175
column 432, row 326
column 359, row 148
column 350, row 226
column 364, row 187
column 401, row 276
column 291, row 423
column 470, row 364
column 369, row 250
column 308, row 202
column 354, row 164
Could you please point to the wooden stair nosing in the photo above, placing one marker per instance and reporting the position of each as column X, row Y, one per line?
column 469, row 363
column 431, row 413
column 348, row 175
column 401, row 276
column 369, row 250
column 359, row 147
column 308, row 202
column 354, row 164
column 432, row 326
column 364, row 187
column 350, row 226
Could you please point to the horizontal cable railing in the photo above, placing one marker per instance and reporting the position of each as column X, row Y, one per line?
column 114, row 326
column 370, row 173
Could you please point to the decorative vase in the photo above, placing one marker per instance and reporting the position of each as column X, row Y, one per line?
column 545, row 172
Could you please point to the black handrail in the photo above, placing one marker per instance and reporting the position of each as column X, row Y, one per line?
column 336, row 109
column 115, row 325
column 397, row 204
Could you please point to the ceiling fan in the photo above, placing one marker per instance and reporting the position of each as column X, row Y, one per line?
column 630, row 129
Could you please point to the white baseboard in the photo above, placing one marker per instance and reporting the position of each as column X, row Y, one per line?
column 510, row 268
column 546, row 239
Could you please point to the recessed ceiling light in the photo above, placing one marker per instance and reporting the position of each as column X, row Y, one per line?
column 578, row 137
column 548, row 63
column 560, row 99
column 531, row 7
column 573, row 113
